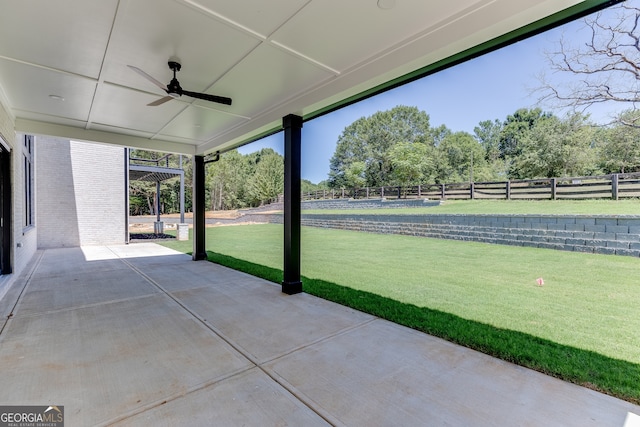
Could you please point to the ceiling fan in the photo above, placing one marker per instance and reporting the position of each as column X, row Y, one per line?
column 174, row 90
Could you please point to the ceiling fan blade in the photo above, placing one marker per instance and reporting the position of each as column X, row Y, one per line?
column 207, row 97
column 160, row 101
column 148, row 77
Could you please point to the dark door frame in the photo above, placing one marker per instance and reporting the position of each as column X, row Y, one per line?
column 6, row 209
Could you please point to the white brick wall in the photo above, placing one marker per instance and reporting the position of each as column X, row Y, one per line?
column 80, row 193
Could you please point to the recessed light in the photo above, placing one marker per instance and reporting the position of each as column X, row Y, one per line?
column 56, row 97
column 386, row 4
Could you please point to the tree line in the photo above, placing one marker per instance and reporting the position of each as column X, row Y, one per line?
column 400, row 147
column 235, row 181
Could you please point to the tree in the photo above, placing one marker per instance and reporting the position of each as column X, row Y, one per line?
column 558, row 147
column 620, row 145
column 515, row 128
column 604, row 68
column 226, row 180
column 268, row 179
column 488, row 135
column 462, row 158
column 369, row 139
column 411, row 163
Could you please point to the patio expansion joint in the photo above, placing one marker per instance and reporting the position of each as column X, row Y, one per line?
column 163, row 401
column 83, row 306
column 312, row 405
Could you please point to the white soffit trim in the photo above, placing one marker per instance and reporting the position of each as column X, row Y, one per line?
column 76, row 133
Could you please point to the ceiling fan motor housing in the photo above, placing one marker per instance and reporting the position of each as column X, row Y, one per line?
column 174, row 85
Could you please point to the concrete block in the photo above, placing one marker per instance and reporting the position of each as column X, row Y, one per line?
column 627, row 237
column 574, row 227
column 617, row 229
column 552, row 226
column 598, row 228
column 631, row 222
column 604, row 236
column 575, row 242
column 565, row 220
column 606, row 221
column 604, row 251
column 585, row 221
column 617, row 244
column 583, row 235
column 628, row 252
column 585, row 249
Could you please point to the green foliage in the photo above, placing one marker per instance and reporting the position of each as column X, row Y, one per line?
column 488, row 135
column 226, row 180
column 553, row 147
column 267, row 181
column 464, row 159
column 411, row 163
column 369, row 139
column 620, row 145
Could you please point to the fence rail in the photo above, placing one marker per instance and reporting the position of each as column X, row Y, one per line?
column 614, row 186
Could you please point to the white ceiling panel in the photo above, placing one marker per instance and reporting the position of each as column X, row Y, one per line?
column 67, row 35
column 205, row 47
column 361, row 28
column 259, row 16
column 32, row 87
column 127, row 109
column 273, row 58
column 199, row 123
column 268, row 71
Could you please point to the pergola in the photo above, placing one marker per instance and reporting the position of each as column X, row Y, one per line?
column 64, row 69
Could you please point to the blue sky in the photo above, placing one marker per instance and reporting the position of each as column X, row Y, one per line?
column 485, row 88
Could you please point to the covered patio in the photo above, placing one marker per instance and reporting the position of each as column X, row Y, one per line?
column 140, row 335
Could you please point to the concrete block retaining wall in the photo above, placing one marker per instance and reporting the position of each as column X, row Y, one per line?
column 616, row 235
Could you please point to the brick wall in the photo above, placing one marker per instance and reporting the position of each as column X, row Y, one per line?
column 80, row 193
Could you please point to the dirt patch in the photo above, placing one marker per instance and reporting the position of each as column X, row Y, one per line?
column 149, row 236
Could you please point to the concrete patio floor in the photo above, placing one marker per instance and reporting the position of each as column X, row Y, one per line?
column 140, row 335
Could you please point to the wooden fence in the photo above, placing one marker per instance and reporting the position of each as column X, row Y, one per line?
column 615, row 186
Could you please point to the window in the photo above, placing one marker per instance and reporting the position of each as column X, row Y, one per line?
column 27, row 157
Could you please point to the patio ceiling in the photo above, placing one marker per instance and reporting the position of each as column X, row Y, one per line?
column 63, row 63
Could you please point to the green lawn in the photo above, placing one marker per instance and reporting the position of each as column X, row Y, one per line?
column 582, row 325
column 514, row 207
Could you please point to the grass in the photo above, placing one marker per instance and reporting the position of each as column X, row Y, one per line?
column 580, row 326
column 512, row 207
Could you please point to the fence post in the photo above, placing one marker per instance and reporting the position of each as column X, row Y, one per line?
column 382, row 192
column 442, row 191
column 399, row 192
column 367, row 192
column 508, row 188
column 553, row 188
column 614, row 186
column 472, row 188
column 419, row 191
